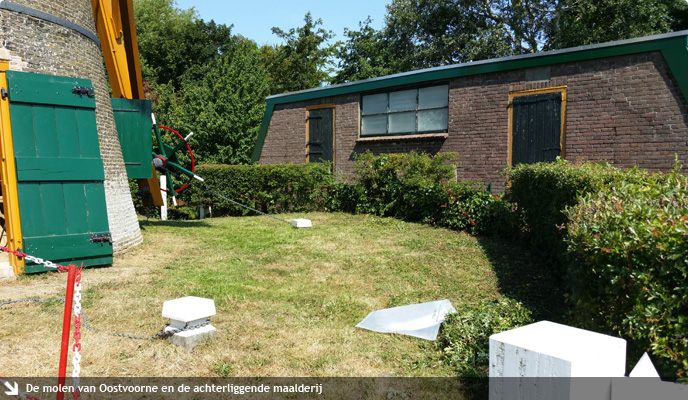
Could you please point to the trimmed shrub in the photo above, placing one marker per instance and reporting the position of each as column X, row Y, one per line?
column 342, row 196
column 385, row 181
column 540, row 193
column 464, row 339
column 629, row 248
column 268, row 188
column 470, row 209
column 420, row 188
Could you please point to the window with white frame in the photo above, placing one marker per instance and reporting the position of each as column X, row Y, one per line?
column 405, row 112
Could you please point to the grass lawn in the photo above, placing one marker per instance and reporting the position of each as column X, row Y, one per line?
column 287, row 299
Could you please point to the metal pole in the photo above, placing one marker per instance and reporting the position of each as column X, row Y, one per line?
column 65, row 331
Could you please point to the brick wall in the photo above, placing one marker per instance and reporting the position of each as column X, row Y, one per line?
column 639, row 118
column 625, row 110
column 48, row 48
column 288, row 143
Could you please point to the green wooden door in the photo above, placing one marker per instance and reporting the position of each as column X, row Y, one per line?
column 59, row 170
column 320, row 134
column 536, row 128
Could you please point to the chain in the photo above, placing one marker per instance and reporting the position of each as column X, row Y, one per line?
column 48, row 264
column 76, row 360
column 239, row 204
column 164, row 332
column 202, row 187
column 4, row 303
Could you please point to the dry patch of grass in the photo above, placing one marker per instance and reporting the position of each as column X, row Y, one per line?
column 287, row 300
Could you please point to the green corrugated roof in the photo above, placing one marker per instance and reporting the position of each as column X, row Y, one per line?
column 673, row 46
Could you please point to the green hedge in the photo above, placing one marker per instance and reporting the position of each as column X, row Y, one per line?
column 419, row 188
column 467, row 208
column 629, row 276
column 541, row 192
column 384, row 182
column 268, row 188
column 396, row 185
column 618, row 240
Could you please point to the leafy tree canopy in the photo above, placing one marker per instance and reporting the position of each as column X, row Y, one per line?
column 427, row 33
column 172, row 41
column 581, row 22
column 364, row 55
column 223, row 108
column 202, row 79
column 303, row 61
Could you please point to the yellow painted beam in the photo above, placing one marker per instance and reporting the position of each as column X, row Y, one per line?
column 109, row 27
column 153, row 186
column 131, row 44
column 8, row 175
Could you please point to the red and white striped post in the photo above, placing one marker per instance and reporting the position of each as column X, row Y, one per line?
column 65, row 331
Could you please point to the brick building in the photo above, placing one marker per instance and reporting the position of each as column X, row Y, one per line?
column 622, row 102
column 58, row 38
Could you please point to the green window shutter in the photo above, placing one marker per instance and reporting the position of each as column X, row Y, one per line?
column 59, row 169
column 134, row 122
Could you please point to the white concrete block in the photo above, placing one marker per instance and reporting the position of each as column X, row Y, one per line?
column 301, row 223
column 192, row 338
column 549, row 350
column 644, row 368
column 185, row 312
column 188, row 309
column 567, row 351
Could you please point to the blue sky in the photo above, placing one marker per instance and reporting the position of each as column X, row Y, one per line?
column 254, row 19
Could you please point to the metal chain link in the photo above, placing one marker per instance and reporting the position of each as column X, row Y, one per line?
column 48, row 264
column 165, row 333
column 162, row 334
column 32, row 301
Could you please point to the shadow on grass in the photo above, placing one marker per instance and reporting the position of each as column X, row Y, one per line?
column 180, row 223
column 525, row 277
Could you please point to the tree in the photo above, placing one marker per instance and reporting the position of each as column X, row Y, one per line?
column 224, row 109
column 172, row 41
column 202, row 79
column 274, row 65
column 302, row 61
column 582, row 22
column 428, row 33
column 364, row 55
column 679, row 16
